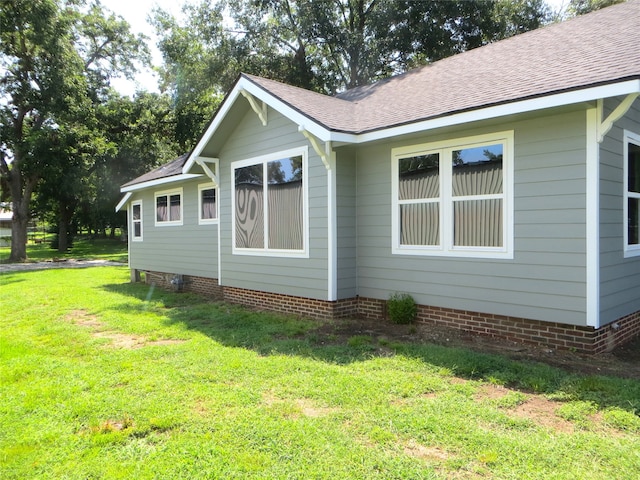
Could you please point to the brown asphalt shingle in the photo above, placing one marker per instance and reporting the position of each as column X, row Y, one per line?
column 170, row 169
column 595, row 49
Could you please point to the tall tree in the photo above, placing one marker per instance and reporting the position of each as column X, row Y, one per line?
column 322, row 45
column 56, row 59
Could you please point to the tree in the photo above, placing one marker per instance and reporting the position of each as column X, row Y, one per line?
column 55, row 63
column 582, row 7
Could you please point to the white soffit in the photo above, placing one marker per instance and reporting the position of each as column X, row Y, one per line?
column 160, row 181
column 323, row 134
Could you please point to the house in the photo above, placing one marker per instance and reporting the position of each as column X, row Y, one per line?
column 499, row 187
column 6, row 216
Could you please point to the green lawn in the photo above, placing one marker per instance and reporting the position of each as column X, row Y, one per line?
column 84, row 248
column 103, row 379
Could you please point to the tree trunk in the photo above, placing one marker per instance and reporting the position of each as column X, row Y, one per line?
column 64, row 223
column 20, row 199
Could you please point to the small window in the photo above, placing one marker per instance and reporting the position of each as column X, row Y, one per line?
column 632, row 194
column 208, row 204
column 169, row 208
column 269, row 204
column 451, row 198
column 136, row 221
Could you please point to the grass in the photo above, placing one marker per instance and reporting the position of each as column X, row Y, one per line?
column 84, row 248
column 104, row 379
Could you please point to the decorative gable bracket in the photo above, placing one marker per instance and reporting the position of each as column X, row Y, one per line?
column 259, row 108
column 605, row 125
column 323, row 153
column 203, row 161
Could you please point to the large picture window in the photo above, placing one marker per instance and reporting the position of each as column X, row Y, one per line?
column 269, row 203
column 453, row 198
column 207, row 204
column 632, row 193
column 169, row 207
column 136, row 221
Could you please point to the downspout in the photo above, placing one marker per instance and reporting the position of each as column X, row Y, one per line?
column 597, row 129
column 328, row 157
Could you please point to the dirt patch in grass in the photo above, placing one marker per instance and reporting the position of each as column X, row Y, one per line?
column 542, row 412
column 624, row 361
column 430, row 454
column 116, row 339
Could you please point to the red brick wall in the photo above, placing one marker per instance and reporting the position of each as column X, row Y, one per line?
column 548, row 334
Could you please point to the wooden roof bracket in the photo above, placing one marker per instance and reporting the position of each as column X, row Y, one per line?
column 260, row 109
column 202, row 161
column 323, row 153
column 605, row 125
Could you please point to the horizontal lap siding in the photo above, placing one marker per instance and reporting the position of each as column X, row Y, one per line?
column 619, row 276
column 346, row 223
column 188, row 249
column 546, row 278
column 304, row 277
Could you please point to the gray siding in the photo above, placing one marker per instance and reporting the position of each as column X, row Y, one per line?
column 546, row 278
column 189, row 249
column 619, row 276
column 306, row 277
column 346, row 223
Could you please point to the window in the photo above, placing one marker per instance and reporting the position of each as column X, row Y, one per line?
column 169, row 208
column 207, row 204
column 453, row 198
column 136, row 221
column 632, row 193
column 269, row 204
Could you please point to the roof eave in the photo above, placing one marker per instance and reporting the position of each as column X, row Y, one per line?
column 244, row 83
column 159, row 181
column 554, row 99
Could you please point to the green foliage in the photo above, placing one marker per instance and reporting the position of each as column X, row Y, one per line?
column 402, row 308
column 56, row 59
column 102, row 378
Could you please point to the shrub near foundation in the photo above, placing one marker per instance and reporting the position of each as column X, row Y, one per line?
column 402, row 308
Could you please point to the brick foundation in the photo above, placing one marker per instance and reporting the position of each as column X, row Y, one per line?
column 207, row 287
column 548, row 334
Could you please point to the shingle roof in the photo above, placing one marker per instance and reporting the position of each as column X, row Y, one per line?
column 600, row 48
column 170, row 169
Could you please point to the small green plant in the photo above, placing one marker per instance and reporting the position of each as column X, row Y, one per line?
column 402, row 308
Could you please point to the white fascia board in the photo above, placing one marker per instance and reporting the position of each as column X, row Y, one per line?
column 160, row 181
column 124, row 200
column 245, row 84
column 523, row 106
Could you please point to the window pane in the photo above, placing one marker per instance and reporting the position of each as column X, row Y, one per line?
column 419, row 177
column 161, row 209
column 175, row 208
column 634, row 168
column 136, row 212
column 477, row 171
column 249, row 212
column 285, row 197
column 208, row 204
column 633, row 213
column 420, row 224
column 137, row 229
column 478, row 223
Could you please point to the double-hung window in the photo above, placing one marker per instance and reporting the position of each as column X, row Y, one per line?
column 169, row 207
column 207, row 204
column 136, row 221
column 269, row 204
column 454, row 197
column 632, row 194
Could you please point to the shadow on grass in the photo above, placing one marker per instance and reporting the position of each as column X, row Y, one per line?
column 274, row 334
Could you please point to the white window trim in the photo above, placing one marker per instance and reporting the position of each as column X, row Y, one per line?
column 267, row 252
column 133, row 230
column 168, row 193
column 446, row 198
column 629, row 250
column 208, row 221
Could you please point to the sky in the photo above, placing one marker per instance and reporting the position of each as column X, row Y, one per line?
column 136, row 12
